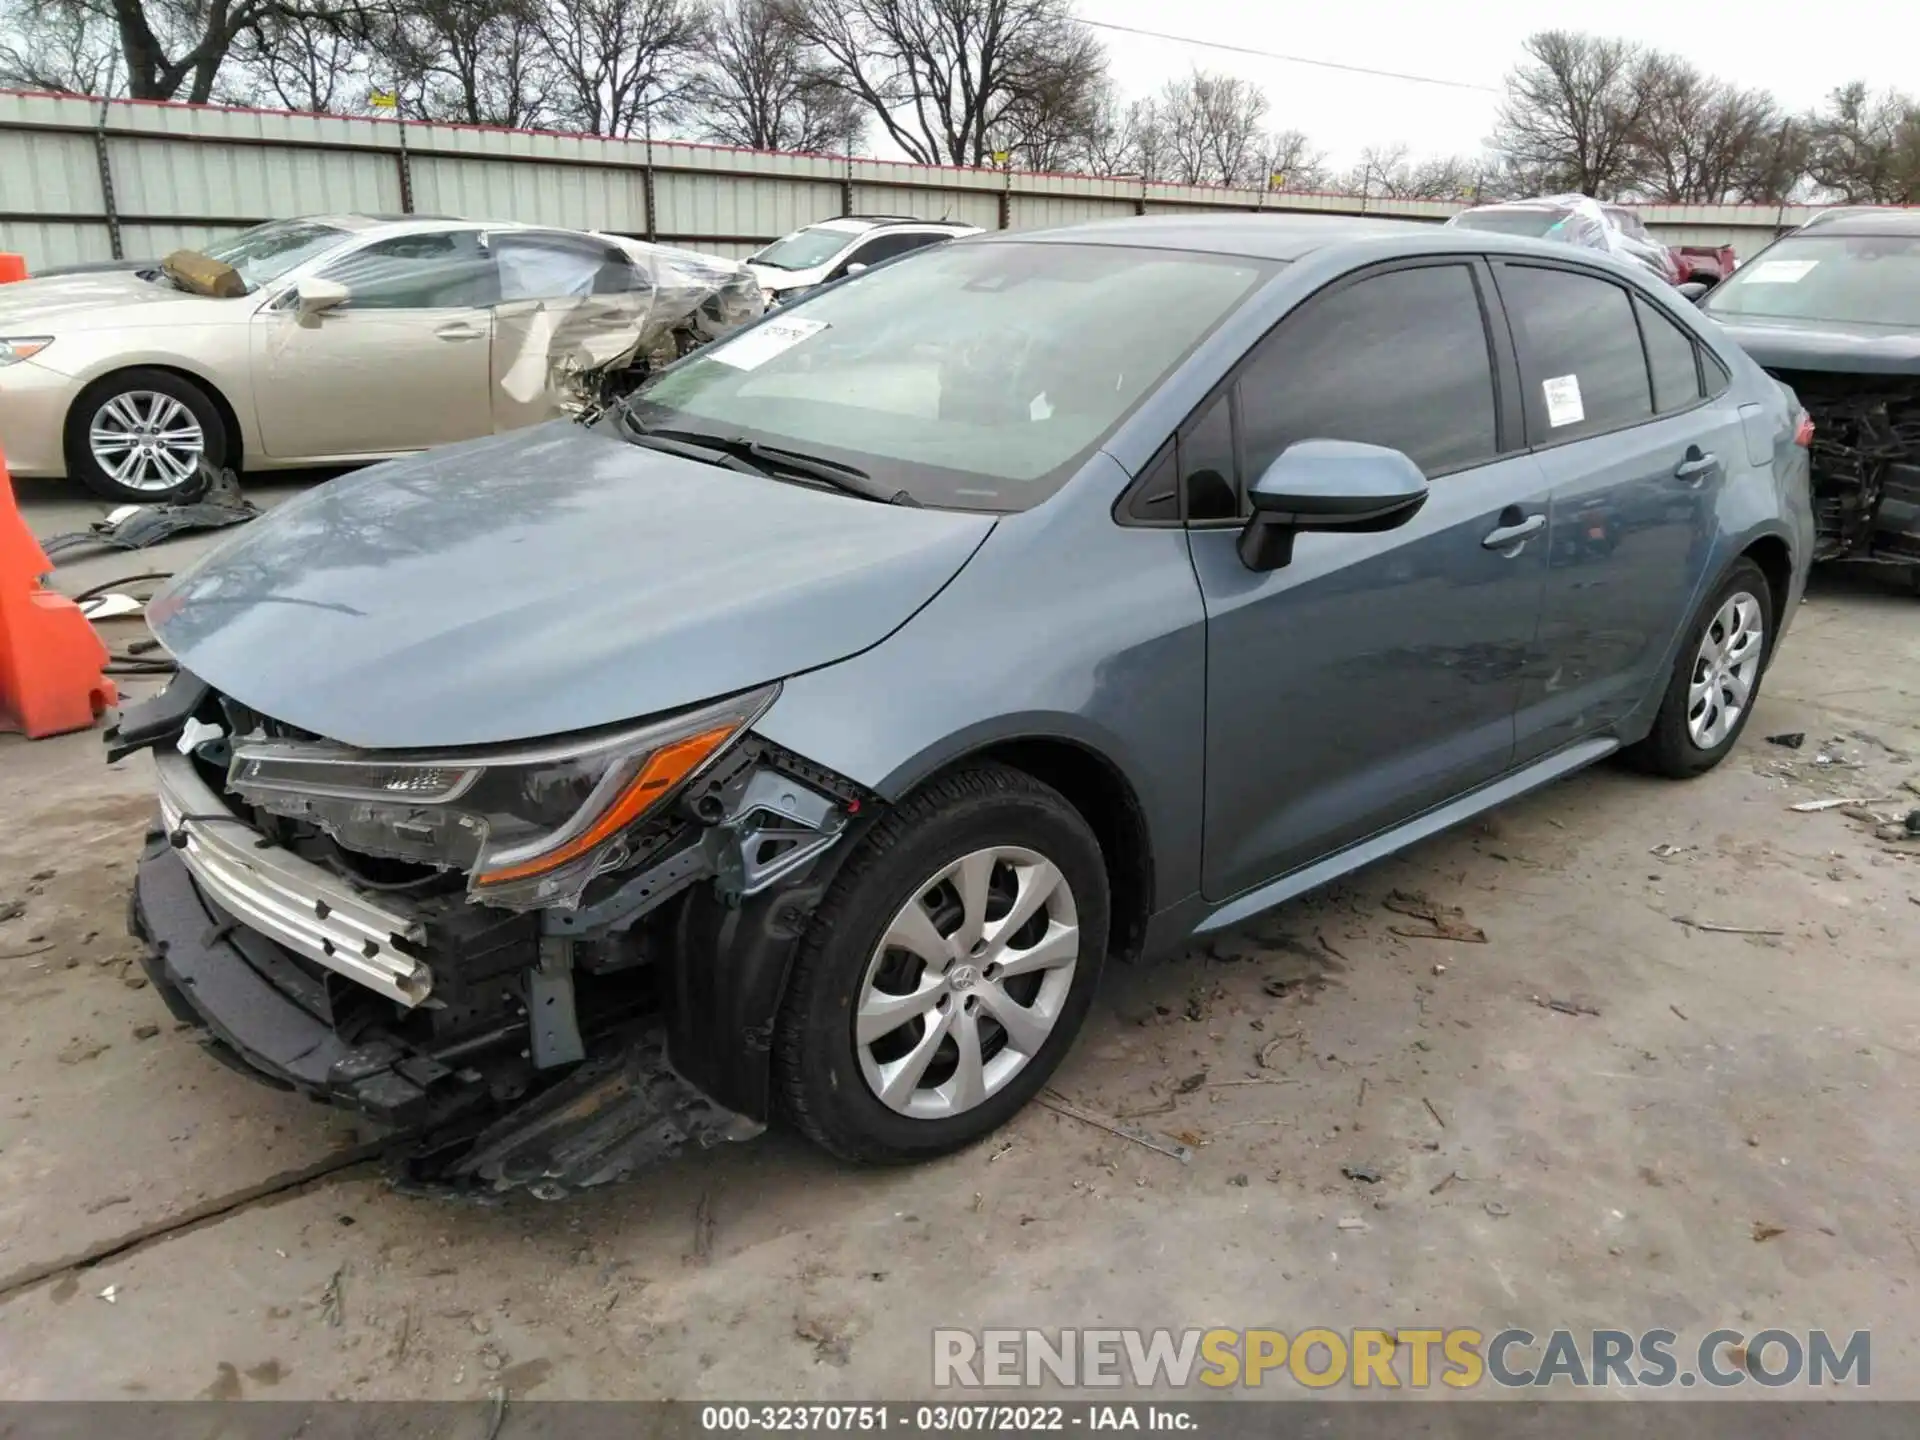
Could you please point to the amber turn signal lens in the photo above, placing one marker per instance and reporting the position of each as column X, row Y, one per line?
column 665, row 768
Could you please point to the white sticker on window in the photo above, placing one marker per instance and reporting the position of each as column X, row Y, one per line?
column 760, row 344
column 1777, row 272
column 1563, row 400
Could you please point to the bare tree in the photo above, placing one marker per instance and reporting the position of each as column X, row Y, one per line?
column 762, row 88
column 1052, row 109
column 943, row 76
column 1698, row 138
column 68, row 49
column 1571, row 112
column 1295, row 160
column 299, row 62
column 472, row 62
column 622, row 65
column 1213, row 129
column 1865, row 149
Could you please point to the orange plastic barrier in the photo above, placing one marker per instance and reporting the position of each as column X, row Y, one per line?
column 12, row 267
column 51, row 678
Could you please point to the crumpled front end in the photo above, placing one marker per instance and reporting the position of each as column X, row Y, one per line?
column 1866, row 463
column 550, row 1039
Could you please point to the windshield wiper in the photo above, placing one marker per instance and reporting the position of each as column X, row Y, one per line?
column 673, row 444
column 845, row 478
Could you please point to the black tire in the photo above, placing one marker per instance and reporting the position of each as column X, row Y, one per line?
column 1670, row 748
column 822, row 1087
column 82, row 466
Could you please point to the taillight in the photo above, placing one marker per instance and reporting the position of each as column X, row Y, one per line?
column 1803, row 432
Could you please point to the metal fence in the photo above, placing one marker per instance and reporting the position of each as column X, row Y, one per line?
column 84, row 180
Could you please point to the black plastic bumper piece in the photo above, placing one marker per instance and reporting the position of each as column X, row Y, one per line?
column 212, row 971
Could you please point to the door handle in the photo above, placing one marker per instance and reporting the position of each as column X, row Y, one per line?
column 1515, row 535
column 1696, row 467
column 457, row 330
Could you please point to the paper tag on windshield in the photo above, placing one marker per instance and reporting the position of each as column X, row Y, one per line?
column 1563, row 400
column 1777, row 272
column 760, row 344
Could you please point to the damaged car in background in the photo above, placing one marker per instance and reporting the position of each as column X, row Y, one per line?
column 800, row 737
column 1577, row 220
column 333, row 340
column 1833, row 311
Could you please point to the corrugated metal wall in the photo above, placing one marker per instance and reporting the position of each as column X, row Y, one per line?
column 180, row 175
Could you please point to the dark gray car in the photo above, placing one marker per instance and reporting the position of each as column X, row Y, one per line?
column 1833, row 310
column 805, row 736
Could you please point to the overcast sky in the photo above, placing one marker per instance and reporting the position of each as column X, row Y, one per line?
column 1766, row 43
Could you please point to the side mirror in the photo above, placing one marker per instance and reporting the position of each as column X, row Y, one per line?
column 856, row 267
column 1694, row 289
column 1328, row 485
column 313, row 296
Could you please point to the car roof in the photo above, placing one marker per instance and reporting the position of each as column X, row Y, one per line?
column 1267, row 237
column 1287, row 237
column 861, row 224
column 1890, row 221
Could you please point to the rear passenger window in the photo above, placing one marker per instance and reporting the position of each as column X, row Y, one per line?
column 1670, row 358
column 1399, row 359
column 1584, row 370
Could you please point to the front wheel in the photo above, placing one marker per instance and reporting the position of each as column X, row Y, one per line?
column 947, row 971
column 1715, row 680
column 142, row 435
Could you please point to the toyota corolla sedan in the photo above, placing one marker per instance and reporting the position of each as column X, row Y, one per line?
column 803, row 738
column 334, row 340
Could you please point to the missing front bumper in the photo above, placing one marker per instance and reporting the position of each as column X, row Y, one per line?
column 472, row 1118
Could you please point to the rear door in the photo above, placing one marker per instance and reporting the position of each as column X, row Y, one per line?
column 1635, row 444
column 1374, row 676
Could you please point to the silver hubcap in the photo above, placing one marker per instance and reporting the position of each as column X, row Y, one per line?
column 967, row 983
column 146, row 440
column 1724, row 670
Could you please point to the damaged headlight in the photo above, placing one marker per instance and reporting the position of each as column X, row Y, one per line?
column 529, row 825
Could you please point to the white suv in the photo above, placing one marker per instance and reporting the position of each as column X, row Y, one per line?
column 833, row 248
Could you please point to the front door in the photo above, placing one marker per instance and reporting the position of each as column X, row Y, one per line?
column 1637, row 454
column 402, row 365
column 1374, row 676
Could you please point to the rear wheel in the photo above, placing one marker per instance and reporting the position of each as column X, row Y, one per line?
column 1715, row 680
column 141, row 435
column 948, row 970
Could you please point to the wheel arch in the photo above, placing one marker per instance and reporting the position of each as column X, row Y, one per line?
column 1775, row 559
column 1099, row 790
column 229, row 416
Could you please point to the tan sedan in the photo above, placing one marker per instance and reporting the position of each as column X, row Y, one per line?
column 343, row 339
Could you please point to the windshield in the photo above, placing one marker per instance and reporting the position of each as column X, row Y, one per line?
column 266, row 252
column 1859, row 279
column 804, row 249
column 977, row 377
column 1509, row 222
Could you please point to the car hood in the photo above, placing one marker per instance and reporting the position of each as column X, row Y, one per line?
column 102, row 297
column 1836, row 345
column 548, row 580
column 772, row 278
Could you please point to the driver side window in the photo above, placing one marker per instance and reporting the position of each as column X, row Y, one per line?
column 435, row 270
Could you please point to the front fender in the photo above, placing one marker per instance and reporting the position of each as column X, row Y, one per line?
column 1063, row 626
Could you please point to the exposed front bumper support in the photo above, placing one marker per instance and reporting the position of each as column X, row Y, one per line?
column 288, row 899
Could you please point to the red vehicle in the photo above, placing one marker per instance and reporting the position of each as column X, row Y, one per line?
column 1707, row 263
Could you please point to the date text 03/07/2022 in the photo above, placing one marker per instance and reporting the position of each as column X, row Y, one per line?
column 943, row 1419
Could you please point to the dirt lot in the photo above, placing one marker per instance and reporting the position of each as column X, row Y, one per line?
column 1701, row 1129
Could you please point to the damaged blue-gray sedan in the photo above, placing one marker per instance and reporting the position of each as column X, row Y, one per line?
column 802, row 737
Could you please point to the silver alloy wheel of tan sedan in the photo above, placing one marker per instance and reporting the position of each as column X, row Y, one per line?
column 967, row 982
column 1725, row 669
column 146, row 440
